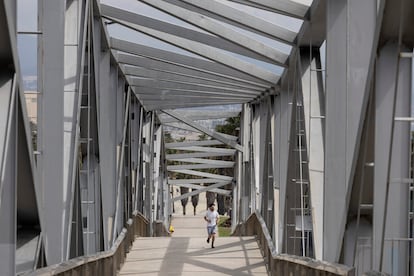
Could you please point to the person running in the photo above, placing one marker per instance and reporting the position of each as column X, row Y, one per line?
column 212, row 218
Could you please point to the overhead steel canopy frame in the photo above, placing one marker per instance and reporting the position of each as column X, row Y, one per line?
column 324, row 150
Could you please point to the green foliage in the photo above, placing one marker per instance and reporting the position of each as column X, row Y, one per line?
column 230, row 127
column 223, row 227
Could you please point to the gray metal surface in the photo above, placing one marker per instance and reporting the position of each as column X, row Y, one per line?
column 51, row 131
column 8, row 174
column 220, row 30
column 330, row 179
column 390, row 88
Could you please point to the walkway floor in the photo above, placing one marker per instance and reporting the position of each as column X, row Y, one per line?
column 188, row 253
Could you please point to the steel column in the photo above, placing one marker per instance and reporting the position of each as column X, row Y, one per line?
column 349, row 45
column 50, row 128
column 392, row 84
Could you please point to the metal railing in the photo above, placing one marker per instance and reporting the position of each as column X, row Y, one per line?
column 105, row 263
column 284, row 264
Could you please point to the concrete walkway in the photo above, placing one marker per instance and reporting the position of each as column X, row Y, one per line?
column 188, row 253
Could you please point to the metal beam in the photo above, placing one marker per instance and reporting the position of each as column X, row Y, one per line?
column 8, row 173
column 144, row 72
column 209, row 53
column 185, row 86
column 192, row 181
column 242, row 19
column 199, row 166
column 205, row 161
column 213, row 26
column 392, row 155
column 210, row 133
column 201, row 73
column 113, row 13
column 202, row 190
column 50, row 128
column 155, row 105
column 313, row 99
column 190, row 97
column 347, row 53
column 197, row 187
column 200, row 115
column 285, row 7
column 196, row 155
column 188, row 62
column 186, row 144
column 204, row 174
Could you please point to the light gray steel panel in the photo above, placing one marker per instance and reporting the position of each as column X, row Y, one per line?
column 185, row 98
column 275, row 153
column 6, row 82
column 90, row 204
column 243, row 20
column 204, row 97
column 261, row 162
column 197, row 166
column 123, row 121
column 107, row 145
column 171, row 104
column 215, row 27
column 166, row 85
column 50, row 128
column 192, row 181
column 192, row 63
column 199, row 115
column 8, row 48
column 203, row 174
column 314, row 113
column 118, row 87
column 199, row 49
column 156, row 171
column 154, row 106
column 208, row 149
column 113, row 13
column 142, row 72
column 397, row 210
column 196, row 155
column 285, row 106
column 74, row 32
column 188, row 71
column 286, row 7
column 8, row 182
column 192, row 143
column 215, row 135
column 191, row 186
column 199, row 191
column 246, row 119
column 148, row 93
column 336, row 134
column 349, row 46
column 205, row 161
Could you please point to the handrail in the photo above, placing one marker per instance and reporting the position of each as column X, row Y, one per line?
column 284, row 264
column 102, row 263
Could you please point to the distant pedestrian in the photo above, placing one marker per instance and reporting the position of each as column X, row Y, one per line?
column 194, row 200
column 212, row 218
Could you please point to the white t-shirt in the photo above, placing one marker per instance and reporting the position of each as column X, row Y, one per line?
column 212, row 217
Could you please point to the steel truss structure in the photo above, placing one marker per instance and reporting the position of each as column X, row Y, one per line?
column 325, row 146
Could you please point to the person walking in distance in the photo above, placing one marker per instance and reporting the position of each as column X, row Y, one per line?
column 212, row 218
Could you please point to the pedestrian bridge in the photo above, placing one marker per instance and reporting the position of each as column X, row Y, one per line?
column 295, row 116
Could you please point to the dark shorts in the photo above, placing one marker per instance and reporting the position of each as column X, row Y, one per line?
column 211, row 229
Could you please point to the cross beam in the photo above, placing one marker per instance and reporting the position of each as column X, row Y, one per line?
column 205, row 130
